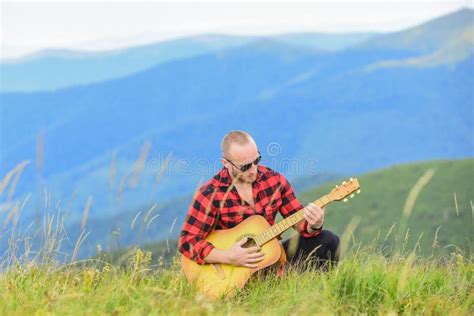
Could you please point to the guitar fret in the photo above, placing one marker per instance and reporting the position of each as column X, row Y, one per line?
column 299, row 216
column 266, row 235
column 282, row 227
column 274, row 231
column 257, row 240
column 293, row 220
column 321, row 201
column 327, row 200
column 278, row 229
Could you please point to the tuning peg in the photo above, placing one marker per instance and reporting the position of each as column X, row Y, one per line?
column 351, row 179
column 358, row 191
column 337, row 186
column 343, row 182
column 352, row 195
column 345, row 200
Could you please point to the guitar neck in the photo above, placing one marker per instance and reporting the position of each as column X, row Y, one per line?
column 286, row 223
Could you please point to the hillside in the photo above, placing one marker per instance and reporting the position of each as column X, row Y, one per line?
column 379, row 206
column 445, row 203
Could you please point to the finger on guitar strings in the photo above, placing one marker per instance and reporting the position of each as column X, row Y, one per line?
column 242, row 241
column 308, row 215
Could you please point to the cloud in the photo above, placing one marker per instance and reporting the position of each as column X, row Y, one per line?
column 28, row 27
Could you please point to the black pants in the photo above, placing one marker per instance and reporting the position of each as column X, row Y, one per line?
column 319, row 251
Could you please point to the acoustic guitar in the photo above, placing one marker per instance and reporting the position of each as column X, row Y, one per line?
column 219, row 280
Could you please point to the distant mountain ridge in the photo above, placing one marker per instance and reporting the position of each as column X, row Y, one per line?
column 52, row 70
column 425, row 38
column 56, row 69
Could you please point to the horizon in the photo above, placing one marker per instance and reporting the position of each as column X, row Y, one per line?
column 67, row 32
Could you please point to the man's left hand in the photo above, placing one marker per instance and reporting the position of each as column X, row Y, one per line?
column 314, row 215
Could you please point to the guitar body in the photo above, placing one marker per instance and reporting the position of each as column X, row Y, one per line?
column 214, row 280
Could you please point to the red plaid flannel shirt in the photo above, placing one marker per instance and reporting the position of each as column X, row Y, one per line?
column 272, row 193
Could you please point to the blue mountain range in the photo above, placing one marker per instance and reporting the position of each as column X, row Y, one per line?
column 371, row 101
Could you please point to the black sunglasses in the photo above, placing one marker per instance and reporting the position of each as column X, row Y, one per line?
column 246, row 166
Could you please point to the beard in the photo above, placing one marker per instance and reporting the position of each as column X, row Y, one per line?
column 243, row 177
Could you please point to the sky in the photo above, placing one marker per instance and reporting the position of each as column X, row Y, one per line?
column 27, row 27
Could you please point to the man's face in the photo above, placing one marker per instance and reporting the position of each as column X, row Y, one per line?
column 241, row 155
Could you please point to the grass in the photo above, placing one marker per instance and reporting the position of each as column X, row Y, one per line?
column 368, row 280
column 364, row 282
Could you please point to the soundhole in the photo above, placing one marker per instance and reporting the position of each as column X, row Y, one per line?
column 250, row 240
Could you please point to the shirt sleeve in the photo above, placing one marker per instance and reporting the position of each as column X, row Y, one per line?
column 291, row 205
column 197, row 225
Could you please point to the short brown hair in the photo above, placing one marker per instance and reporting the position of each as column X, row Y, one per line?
column 234, row 137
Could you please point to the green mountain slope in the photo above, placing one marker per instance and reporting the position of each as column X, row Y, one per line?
column 382, row 201
column 380, row 206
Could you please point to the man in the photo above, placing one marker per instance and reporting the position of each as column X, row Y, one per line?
column 243, row 188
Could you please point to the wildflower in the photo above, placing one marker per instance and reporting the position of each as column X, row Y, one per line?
column 106, row 269
column 91, row 278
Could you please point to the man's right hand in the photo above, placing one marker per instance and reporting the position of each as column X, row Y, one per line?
column 244, row 257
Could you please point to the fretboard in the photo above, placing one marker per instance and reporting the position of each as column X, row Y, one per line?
column 286, row 223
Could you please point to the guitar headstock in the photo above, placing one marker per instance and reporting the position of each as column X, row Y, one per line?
column 346, row 189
